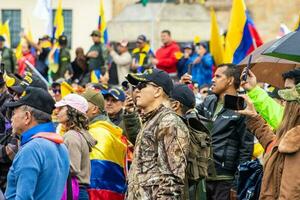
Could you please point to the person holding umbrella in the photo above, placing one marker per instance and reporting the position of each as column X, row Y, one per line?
column 281, row 178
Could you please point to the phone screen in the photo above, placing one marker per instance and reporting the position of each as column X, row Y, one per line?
column 234, row 102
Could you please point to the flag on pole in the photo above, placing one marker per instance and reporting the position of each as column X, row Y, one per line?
column 5, row 32
column 215, row 44
column 102, row 24
column 43, row 11
column 242, row 37
column 58, row 27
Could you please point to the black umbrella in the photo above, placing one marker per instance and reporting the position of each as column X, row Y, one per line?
column 287, row 47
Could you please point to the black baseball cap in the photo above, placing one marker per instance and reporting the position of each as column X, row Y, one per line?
column 36, row 98
column 29, row 80
column 183, row 94
column 116, row 93
column 157, row 76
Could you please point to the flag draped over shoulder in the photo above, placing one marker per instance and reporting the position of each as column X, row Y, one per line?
column 102, row 24
column 216, row 44
column 58, row 26
column 5, row 32
column 242, row 37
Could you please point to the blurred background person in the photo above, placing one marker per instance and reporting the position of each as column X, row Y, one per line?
column 8, row 57
column 141, row 55
column 26, row 56
column 122, row 58
column 79, row 67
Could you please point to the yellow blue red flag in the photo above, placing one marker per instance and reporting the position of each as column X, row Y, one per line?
column 242, row 37
column 102, row 24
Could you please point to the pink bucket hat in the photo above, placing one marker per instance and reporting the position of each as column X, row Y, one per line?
column 75, row 101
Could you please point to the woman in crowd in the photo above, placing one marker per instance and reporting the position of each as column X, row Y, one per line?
column 72, row 115
column 281, row 179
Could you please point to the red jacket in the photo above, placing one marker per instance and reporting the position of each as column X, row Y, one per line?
column 21, row 62
column 166, row 57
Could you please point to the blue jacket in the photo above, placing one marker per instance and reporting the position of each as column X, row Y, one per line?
column 202, row 71
column 40, row 169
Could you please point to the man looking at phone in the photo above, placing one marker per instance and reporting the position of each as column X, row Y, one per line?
column 231, row 143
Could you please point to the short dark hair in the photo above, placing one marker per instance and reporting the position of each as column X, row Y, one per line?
column 292, row 74
column 39, row 116
column 234, row 71
column 167, row 32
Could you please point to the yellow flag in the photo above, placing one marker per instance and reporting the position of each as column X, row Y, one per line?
column 197, row 39
column 215, row 43
column 65, row 89
column 5, row 32
column 59, row 21
column 22, row 41
column 235, row 31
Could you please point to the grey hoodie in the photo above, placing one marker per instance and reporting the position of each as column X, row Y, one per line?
column 79, row 145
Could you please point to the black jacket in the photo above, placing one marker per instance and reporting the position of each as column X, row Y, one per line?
column 231, row 142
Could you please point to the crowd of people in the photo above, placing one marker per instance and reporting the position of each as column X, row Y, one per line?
column 160, row 131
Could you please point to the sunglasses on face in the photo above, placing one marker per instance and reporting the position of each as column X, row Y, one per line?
column 56, row 91
column 142, row 85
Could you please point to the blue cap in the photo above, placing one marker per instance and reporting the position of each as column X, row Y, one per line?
column 2, row 39
column 116, row 93
column 188, row 46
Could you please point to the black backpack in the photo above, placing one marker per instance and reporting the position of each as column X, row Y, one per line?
column 200, row 146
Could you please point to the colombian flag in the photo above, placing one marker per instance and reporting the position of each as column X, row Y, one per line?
column 58, row 27
column 102, row 24
column 108, row 162
column 242, row 37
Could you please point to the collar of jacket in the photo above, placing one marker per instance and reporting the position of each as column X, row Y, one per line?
column 290, row 142
column 117, row 118
column 147, row 116
column 101, row 117
column 45, row 127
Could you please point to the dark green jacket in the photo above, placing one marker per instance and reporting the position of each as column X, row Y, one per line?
column 9, row 60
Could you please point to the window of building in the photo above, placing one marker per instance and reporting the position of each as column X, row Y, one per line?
column 68, row 16
column 14, row 17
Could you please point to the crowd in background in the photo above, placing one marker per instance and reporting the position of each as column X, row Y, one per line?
column 115, row 124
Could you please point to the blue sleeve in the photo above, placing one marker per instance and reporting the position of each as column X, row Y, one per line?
column 27, row 169
column 207, row 61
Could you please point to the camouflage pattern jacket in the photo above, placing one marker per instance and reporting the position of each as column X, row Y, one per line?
column 158, row 170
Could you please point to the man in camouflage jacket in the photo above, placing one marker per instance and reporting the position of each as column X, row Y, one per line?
column 158, row 170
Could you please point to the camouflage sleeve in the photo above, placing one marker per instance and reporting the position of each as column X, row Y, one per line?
column 173, row 141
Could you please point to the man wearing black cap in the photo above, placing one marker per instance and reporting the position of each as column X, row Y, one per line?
column 183, row 103
column 141, row 55
column 29, row 80
column 8, row 57
column 95, row 54
column 158, row 170
column 33, row 175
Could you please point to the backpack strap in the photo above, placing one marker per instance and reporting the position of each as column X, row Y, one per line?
column 53, row 137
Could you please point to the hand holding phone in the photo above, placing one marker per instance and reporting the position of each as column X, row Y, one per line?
column 246, row 70
column 234, row 102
